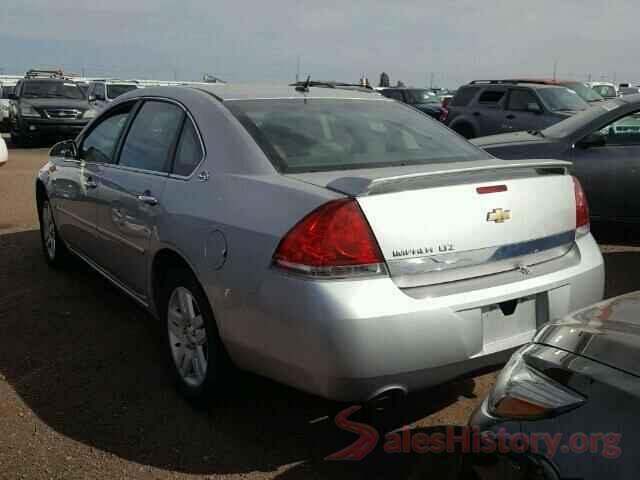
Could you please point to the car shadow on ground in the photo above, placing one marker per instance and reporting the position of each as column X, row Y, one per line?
column 88, row 362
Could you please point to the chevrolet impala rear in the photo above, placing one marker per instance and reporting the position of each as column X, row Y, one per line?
column 404, row 256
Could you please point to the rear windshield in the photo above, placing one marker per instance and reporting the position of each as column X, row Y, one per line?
column 116, row 89
column 561, row 99
column 316, row 134
column 464, row 96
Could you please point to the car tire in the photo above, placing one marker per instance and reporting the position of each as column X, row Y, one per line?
column 465, row 130
column 55, row 251
column 16, row 140
column 194, row 350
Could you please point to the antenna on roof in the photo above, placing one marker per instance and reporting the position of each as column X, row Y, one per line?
column 305, row 86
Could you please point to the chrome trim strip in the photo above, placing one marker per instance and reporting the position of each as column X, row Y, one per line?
column 75, row 217
column 451, row 267
column 120, row 239
column 141, row 300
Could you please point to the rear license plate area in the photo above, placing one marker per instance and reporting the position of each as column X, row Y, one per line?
column 508, row 319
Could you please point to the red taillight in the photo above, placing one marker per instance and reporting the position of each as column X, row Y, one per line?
column 444, row 114
column 333, row 240
column 582, row 209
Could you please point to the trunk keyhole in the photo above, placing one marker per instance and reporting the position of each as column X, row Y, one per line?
column 509, row 307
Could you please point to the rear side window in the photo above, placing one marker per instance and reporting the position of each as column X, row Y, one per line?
column 151, row 137
column 189, row 151
column 100, row 144
column 464, row 96
column 489, row 97
column 307, row 135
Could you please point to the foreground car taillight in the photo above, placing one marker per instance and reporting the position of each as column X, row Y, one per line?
column 334, row 241
column 523, row 393
column 582, row 209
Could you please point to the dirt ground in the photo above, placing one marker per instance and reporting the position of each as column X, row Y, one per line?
column 84, row 390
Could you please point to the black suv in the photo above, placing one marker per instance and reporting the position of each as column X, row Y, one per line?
column 420, row 98
column 487, row 107
column 47, row 105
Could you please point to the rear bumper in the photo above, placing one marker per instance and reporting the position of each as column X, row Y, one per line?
column 351, row 340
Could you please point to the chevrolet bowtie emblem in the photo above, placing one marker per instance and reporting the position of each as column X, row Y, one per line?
column 499, row 215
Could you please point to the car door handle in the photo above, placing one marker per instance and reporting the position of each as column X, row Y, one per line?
column 511, row 116
column 148, row 199
column 90, row 183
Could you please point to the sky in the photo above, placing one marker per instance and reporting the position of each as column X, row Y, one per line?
column 444, row 43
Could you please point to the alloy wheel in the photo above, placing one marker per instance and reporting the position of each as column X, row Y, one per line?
column 187, row 337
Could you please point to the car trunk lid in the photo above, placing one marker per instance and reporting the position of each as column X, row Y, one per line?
column 445, row 223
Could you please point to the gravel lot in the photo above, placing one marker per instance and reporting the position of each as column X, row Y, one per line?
column 84, row 391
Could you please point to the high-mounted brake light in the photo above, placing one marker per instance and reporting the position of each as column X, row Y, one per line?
column 334, row 240
column 582, row 209
column 491, row 189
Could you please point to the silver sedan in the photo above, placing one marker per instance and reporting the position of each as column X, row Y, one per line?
column 330, row 239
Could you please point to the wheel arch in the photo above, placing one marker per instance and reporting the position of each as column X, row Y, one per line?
column 41, row 194
column 165, row 259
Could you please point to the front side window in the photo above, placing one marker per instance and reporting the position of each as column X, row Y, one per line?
column 52, row 89
column 189, row 152
column 101, row 142
column 326, row 134
column 521, row 100
column 152, row 134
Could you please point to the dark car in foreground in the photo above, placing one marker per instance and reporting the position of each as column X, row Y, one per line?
column 604, row 145
column 571, row 397
column 424, row 100
column 47, row 107
column 487, row 107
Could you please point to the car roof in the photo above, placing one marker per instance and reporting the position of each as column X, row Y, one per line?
column 511, row 83
column 226, row 92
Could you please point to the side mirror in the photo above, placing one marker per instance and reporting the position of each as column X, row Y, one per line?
column 65, row 149
column 12, row 96
column 595, row 139
column 92, row 98
column 533, row 108
column 98, row 96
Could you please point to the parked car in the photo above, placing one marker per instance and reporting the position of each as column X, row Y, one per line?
column 103, row 92
column 493, row 106
column 420, row 98
column 4, row 154
column 605, row 89
column 330, row 239
column 6, row 89
column 47, row 106
column 581, row 89
column 577, row 382
column 627, row 89
column 604, row 145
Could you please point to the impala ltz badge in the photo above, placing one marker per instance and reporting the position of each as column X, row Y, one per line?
column 498, row 215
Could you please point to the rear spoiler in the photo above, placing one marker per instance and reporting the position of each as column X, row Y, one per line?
column 362, row 186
